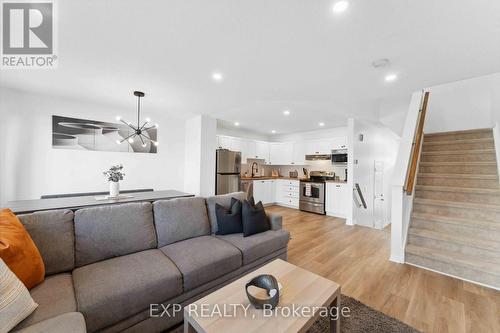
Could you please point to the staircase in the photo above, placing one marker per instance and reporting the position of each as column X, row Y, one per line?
column 455, row 223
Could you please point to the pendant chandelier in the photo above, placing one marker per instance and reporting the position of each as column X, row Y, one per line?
column 139, row 131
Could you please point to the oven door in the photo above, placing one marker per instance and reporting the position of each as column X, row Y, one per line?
column 312, row 192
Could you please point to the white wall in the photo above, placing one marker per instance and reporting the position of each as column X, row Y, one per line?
column 379, row 144
column 392, row 113
column 463, row 105
column 200, row 155
column 30, row 167
column 311, row 135
column 240, row 132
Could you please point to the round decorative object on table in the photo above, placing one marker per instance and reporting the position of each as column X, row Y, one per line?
column 270, row 284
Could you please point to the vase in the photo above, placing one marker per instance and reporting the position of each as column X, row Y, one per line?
column 114, row 189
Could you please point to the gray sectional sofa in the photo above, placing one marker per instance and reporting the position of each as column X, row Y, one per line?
column 106, row 265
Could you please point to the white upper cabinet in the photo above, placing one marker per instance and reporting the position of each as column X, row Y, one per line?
column 339, row 143
column 299, row 153
column 281, row 153
column 325, row 146
column 261, row 150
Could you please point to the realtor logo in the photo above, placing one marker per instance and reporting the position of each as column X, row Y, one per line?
column 28, row 35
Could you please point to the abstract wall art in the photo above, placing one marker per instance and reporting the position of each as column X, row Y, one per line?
column 93, row 135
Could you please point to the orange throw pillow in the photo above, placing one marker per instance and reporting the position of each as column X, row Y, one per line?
column 19, row 251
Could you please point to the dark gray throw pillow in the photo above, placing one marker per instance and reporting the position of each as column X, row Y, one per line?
column 229, row 220
column 254, row 218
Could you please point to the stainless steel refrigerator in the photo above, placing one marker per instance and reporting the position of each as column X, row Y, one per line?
column 228, row 169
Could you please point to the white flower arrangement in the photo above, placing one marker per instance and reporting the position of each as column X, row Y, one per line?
column 114, row 174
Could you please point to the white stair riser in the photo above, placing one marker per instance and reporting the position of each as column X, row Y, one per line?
column 452, row 169
column 464, row 213
column 487, row 157
column 469, row 229
column 485, row 198
column 457, row 182
column 467, row 250
column 458, row 146
column 455, row 270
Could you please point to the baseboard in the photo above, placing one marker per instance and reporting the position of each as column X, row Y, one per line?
column 284, row 205
column 397, row 259
column 453, row 276
column 496, row 139
column 340, row 216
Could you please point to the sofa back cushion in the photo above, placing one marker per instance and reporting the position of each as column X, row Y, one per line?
column 54, row 235
column 110, row 231
column 223, row 200
column 180, row 219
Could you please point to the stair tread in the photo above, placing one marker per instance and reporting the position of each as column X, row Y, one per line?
column 491, row 191
column 454, row 258
column 480, row 243
column 459, row 152
column 456, row 220
column 458, row 141
column 459, row 163
column 458, row 175
column 471, row 205
column 476, row 130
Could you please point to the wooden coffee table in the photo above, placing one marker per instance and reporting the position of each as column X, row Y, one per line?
column 229, row 310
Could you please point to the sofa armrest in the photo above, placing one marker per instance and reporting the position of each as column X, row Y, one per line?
column 276, row 221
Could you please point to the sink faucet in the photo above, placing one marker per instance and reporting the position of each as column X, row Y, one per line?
column 256, row 169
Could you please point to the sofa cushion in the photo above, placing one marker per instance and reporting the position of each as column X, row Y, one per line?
column 16, row 302
column 111, row 231
column 18, row 250
column 229, row 221
column 69, row 322
column 115, row 289
column 258, row 245
column 203, row 259
column 254, row 218
column 54, row 235
column 180, row 219
column 223, row 200
column 55, row 296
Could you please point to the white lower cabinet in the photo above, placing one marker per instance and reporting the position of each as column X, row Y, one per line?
column 280, row 191
column 337, row 199
column 263, row 190
column 287, row 192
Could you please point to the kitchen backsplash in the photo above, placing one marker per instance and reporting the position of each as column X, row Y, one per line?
column 285, row 169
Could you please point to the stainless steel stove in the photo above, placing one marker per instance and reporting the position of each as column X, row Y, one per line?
column 312, row 192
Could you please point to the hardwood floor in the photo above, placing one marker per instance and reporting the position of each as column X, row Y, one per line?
column 357, row 259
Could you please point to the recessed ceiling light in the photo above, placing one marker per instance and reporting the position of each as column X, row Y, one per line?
column 236, row 124
column 286, row 112
column 217, row 77
column 340, row 6
column 321, row 124
column 390, row 77
column 273, row 131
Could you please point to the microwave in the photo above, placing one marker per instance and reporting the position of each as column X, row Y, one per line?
column 339, row 156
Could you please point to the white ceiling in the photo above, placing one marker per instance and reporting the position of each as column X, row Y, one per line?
column 274, row 55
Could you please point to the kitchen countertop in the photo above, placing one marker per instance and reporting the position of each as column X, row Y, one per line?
column 289, row 178
column 270, row 178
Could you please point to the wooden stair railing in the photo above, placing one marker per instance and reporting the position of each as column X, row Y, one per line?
column 416, row 146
